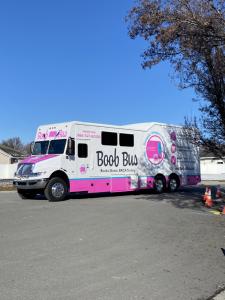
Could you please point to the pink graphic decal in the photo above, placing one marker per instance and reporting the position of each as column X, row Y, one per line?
column 88, row 134
column 173, row 148
column 41, row 136
column 173, row 160
column 155, row 149
column 51, row 134
column 173, row 136
column 83, row 169
column 37, row 158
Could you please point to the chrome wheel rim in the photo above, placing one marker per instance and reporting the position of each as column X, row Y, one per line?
column 159, row 185
column 58, row 190
column 173, row 184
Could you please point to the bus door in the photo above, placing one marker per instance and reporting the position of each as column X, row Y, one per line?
column 83, row 159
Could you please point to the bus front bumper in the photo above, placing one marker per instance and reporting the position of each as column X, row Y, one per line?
column 30, row 183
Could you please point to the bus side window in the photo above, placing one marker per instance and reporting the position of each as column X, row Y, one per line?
column 82, row 150
column 126, row 140
column 109, row 138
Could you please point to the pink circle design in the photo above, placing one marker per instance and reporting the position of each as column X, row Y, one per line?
column 173, row 148
column 173, row 136
column 155, row 149
column 83, row 169
column 173, row 160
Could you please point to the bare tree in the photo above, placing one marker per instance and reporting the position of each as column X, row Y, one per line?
column 190, row 34
column 27, row 148
column 16, row 144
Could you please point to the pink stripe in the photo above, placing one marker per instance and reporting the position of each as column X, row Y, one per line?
column 121, row 184
column 117, row 184
column 106, row 185
column 37, row 158
column 100, row 185
column 90, row 186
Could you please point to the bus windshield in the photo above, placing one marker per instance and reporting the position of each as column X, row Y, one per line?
column 40, row 148
column 49, row 147
column 56, row 147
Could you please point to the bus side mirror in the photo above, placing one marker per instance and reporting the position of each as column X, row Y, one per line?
column 31, row 147
column 70, row 147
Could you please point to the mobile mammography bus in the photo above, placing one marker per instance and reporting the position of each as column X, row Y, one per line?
column 78, row 157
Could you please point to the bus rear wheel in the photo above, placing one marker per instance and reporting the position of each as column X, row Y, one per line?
column 173, row 183
column 56, row 189
column 159, row 184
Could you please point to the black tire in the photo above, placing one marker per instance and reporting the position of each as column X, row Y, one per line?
column 173, row 184
column 26, row 194
column 159, row 184
column 56, row 189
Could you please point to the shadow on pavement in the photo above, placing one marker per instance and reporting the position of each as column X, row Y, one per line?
column 185, row 198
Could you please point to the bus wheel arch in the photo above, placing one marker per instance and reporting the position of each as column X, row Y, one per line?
column 173, row 182
column 57, row 187
column 159, row 183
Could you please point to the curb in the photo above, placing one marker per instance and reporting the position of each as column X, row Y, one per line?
column 220, row 296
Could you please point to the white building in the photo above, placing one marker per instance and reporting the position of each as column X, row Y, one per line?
column 212, row 168
column 8, row 162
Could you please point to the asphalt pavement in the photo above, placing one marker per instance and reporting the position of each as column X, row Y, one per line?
column 133, row 246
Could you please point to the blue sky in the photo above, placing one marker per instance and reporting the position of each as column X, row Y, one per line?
column 73, row 60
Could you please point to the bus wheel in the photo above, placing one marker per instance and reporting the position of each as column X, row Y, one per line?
column 56, row 189
column 159, row 184
column 173, row 184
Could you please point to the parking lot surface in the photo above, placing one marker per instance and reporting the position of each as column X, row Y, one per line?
column 133, row 246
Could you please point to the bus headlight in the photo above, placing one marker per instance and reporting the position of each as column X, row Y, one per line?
column 36, row 174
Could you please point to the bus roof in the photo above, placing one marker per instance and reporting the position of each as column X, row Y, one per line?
column 146, row 126
column 137, row 126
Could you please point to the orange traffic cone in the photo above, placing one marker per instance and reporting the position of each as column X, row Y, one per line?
column 204, row 197
column 209, row 202
column 223, row 211
column 218, row 192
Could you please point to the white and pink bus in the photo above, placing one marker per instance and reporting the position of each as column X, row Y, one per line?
column 78, row 157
